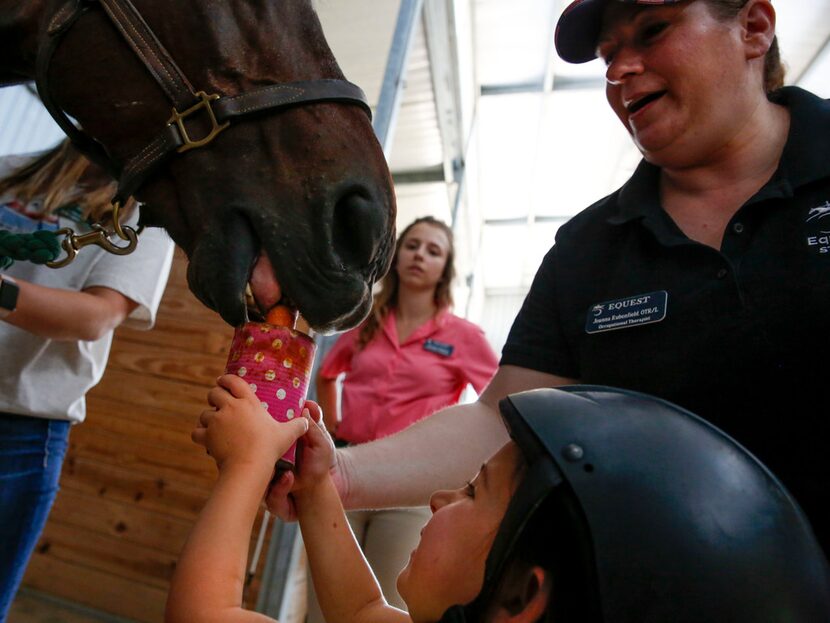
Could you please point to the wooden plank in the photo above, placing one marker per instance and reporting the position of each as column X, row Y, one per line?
column 190, row 466
column 147, row 423
column 165, row 363
column 184, row 334
column 97, row 589
column 169, row 395
column 81, row 545
column 124, row 522
column 70, row 540
column 126, row 486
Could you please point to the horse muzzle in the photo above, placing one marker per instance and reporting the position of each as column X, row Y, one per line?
column 325, row 266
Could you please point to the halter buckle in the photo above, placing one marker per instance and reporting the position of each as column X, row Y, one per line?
column 179, row 117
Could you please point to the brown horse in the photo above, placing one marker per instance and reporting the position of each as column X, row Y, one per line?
column 298, row 201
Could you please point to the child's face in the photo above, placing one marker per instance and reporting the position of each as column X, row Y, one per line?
column 447, row 567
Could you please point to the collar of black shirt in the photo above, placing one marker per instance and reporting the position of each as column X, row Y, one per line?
column 806, row 158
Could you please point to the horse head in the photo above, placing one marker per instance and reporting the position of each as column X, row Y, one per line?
column 296, row 202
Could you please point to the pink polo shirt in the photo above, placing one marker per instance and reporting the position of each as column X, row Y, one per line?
column 389, row 385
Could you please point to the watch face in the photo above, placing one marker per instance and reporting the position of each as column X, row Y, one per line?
column 8, row 295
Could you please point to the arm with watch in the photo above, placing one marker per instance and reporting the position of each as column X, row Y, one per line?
column 58, row 314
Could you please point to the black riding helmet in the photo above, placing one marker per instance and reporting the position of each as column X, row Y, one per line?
column 671, row 520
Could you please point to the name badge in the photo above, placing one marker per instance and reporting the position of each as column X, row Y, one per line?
column 632, row 311
column 439, row 348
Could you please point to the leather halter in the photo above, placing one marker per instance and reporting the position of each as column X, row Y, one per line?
column 220, row 110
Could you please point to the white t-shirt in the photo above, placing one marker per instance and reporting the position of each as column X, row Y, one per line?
column 49, row 378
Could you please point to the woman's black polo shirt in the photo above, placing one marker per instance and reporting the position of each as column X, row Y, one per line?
column 739, row 336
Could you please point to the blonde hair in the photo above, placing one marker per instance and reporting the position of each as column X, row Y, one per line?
column 56, row 176
column 387, row 298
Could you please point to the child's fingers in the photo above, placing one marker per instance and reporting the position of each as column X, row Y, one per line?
column 218, row 397
column 206, row 417
column 315, row 410
column 282, row 482
column 307, row 414
column 278, row 500
column 294, row 429
column 317, row 435
column 199, row 436
column 237, row 386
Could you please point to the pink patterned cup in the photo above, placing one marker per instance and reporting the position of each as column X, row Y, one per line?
column 276, row 361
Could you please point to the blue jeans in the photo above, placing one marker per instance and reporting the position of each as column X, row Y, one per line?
column 31, row 455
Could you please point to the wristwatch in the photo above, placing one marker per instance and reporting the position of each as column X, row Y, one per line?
column 8, row 295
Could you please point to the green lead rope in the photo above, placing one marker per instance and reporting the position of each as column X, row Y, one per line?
column 38, row 247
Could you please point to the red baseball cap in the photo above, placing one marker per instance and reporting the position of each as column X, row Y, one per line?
column 578, row 28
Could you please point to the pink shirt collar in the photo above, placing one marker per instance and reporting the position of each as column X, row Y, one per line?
column 390, row 327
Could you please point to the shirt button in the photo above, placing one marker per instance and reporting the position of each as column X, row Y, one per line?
column 722, row 273
column 738, row 228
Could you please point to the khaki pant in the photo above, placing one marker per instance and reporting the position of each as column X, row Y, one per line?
column 387, row 538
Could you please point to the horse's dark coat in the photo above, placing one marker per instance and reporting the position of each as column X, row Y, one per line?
column 308, row 186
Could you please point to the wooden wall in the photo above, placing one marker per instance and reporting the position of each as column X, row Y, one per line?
column 133, row 482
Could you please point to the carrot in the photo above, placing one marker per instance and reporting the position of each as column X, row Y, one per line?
column 281, row 316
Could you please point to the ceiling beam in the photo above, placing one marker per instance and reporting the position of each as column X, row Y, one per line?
column 442, row 46
column 428, row 175
column 560, row 83
column 391, row 92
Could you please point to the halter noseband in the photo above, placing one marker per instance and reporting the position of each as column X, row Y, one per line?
column 220, row 110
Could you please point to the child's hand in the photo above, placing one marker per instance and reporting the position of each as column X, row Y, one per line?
column 316, row 451
column 238, row 431
column 315, row 459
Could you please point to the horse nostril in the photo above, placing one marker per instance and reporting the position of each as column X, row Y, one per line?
column 357, row 227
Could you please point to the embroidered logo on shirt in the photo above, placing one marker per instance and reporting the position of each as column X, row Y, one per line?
column 439, row 348
column 632, row 311
column 818, row 239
